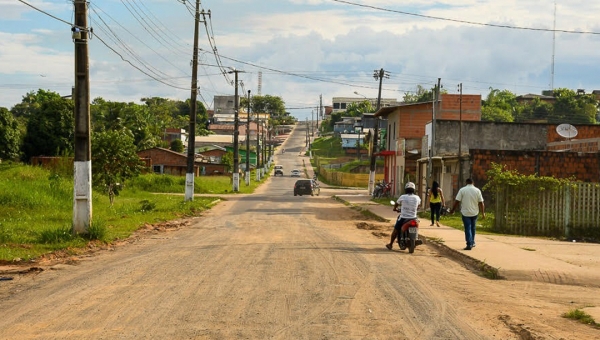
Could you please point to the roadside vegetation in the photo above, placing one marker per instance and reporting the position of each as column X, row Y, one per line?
column 581, row 316
column 36, row 209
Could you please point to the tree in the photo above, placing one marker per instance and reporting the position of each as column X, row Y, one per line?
column 421, row 95
column 114, row 160
column 358, row 109
column 227, row 159
column 573, row 108
column 272, row 105
column 50, row 128
column 499, row 106
column 9, row 135
column 177, row 145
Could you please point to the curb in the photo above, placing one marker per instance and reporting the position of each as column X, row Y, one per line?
column 469, row 262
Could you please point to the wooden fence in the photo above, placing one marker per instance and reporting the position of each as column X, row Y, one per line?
column 572, row 211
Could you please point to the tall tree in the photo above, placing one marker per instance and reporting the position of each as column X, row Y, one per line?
column 10, row 136
column 50, row 128
column 573, row 108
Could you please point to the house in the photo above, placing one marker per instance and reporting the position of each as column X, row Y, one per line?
column 405, row 133
column 342, row 103
column 529, row 148
column 165, row 161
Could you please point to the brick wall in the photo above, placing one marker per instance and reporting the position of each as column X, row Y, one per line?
column 583, row 132
column 162, row 156
column 582, row 166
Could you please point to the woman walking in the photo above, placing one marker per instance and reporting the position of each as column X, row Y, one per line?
column 436, row 202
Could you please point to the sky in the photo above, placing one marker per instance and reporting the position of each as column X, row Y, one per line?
column 302, row 49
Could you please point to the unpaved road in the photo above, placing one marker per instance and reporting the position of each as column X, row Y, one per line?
column 275, row 266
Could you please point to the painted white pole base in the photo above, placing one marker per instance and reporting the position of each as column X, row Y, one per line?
column 371, row 182
column 236, row 182
column 189, row 187
column 82, row 194
column 247, row 177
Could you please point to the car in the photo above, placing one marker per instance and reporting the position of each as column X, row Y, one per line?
column 278, row 170
column 295, row 173
column 306, row 187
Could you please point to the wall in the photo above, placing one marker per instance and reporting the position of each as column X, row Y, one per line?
column 583, row 167
column 488, row 136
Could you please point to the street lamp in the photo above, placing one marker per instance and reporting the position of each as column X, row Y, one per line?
column 358, row 94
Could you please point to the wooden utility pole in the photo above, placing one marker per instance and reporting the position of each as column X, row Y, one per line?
column 82, row 198
column 191, row 153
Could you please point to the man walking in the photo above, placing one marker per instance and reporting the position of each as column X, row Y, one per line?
column 471, row 204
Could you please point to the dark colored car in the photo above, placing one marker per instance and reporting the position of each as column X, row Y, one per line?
column 278, row 170
column 306, row 187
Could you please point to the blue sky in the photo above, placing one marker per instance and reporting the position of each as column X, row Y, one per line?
column 304, row 48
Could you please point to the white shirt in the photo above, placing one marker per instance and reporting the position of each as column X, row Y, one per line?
column 469, row 197
column 408, row 205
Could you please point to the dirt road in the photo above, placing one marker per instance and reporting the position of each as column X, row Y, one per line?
column 279, row 267
column 275, row 266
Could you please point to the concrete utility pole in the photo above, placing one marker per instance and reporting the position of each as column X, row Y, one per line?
column 248, row 143
column 258, row 128
column 460, row 181
column 191, row 152
column 82, row 188
column 434, row 114
column 379, row 74
column 236, row 132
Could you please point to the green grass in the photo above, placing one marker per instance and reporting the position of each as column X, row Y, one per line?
column 581, row 316
column 36, row 208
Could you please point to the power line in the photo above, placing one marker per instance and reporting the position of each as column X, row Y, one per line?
column 465, row 21
column 48, row 14
column 139, row 69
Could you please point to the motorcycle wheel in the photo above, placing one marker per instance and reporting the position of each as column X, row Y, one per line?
column 411, row 245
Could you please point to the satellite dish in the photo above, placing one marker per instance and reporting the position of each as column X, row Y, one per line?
column 566, row 131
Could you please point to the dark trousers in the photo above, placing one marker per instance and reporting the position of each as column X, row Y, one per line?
column 436, row 209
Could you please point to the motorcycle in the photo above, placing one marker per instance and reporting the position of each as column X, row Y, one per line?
column 387, row 189
column 409, row 233
column 378, row 189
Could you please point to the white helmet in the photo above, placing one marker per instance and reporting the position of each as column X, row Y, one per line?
column 410, row 185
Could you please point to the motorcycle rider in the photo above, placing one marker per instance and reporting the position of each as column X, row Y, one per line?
column 409, row 203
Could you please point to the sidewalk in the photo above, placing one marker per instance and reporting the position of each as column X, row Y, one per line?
column 506, row 257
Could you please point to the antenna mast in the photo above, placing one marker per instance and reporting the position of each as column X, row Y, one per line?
column 553, row 49
column 259, row 83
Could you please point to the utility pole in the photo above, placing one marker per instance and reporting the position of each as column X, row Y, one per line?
column 264, row 154
column 379, row 74
column 460, row 174
column 248, row 143
column 307, row 130
column 191, row 152
column 434, row 114
column 82, row 188
column 258, row 128
column 236, row 132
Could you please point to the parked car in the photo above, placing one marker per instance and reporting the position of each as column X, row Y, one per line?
column 278, row 170
column 295, row 173
column 306, row 187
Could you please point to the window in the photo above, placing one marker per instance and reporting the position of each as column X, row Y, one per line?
column 157, row 169
column 343, row 106
column 336, row 106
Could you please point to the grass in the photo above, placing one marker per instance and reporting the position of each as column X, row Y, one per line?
column 36, row 209
column 581, row 316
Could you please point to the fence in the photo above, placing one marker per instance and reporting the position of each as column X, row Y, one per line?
column 572, row 211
